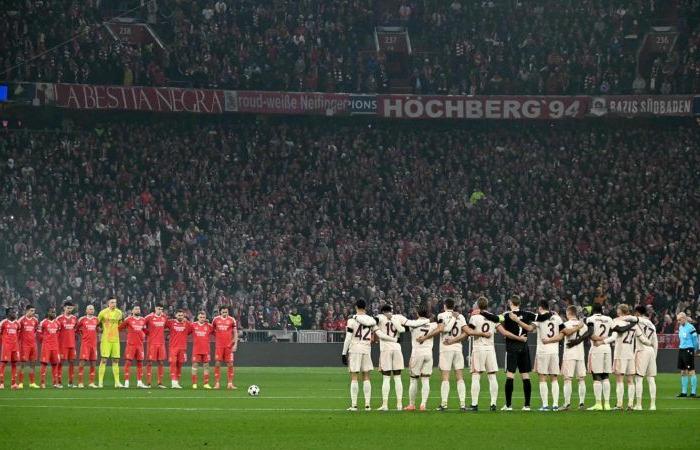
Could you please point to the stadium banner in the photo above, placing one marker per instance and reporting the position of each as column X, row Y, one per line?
column 138, row 98
column 316, row 103
column 481, row 107
column 642, row 105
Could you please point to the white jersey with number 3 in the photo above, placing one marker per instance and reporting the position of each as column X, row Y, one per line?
column 452, row 328
column 548, row 329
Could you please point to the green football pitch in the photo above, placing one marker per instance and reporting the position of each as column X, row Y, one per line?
column 305, row 408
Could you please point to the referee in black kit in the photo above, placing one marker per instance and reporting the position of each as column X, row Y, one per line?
column 517, row 353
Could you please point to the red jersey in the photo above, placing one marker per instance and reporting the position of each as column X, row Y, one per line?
column 178, row 333
column 134, row 330
column 200, row 339
column 48, row 334
column 10, row 330
column 67, row 334
column 29, row 328
column 155, row 326
column 223, row 330
column 87, row 327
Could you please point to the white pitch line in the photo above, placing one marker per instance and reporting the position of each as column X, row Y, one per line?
column 206, row 397
column 159, row 408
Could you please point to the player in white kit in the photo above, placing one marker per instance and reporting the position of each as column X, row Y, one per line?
column 623, row 356
column 574, row 364
column 483, row 356
column 389, row 328
column 356, row 353
column 599, row 356
column 647, row 348
column 421, row 363
column 451, row 324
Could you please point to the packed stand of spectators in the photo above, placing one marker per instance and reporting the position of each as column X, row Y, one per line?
column 544, row 47
column 267, row 218
column 481, row 47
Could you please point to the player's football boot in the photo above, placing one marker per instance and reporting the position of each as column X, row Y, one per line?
column 441, row 408
column 194, row 386
column 682, row 395
column 34, row 386
column 206, row 386
column 2, row 386
column 119, row 386
column 555, row 408
column 140, row 385
column 473, row 408
column 162, row 386
column 637, row 408
column 399, row 407
column 507, row 408
column 368, row 408
column 565, row 408
column 596, row 407
column 422, row 408
column 71, row 385
column 693, row 395
column 14, row 387
column 493, row 408
column 652, row 408
column 526, row 408
column 126, row 384
column 352, row 408
column 231, row 386
column 81, row 386
column 383, row 408
column 58, row 386
column 545, row 408
column 581, row 406
column 217, row 386
column 463, row 408
column 175, row 385
column 606, row 407
column 618, row 408
column 93, row 386
column 20, row 386
column 43, row 386
column 410, row 408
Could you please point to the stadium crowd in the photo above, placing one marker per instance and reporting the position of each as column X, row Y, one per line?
column 573, row 47
column 303, row 218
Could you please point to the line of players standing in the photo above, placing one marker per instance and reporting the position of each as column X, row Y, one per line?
column 633, row 334
column 58, row 339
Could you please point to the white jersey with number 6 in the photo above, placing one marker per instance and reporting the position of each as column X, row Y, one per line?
column 452, row 328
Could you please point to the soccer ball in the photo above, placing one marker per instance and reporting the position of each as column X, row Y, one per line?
column 253, row 390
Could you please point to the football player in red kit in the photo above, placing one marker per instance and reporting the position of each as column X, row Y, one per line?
column 226, row 334
column 179, row 329
column 49, row 330
column 134, row 325
column 9, row 337
column 66, row 342
column 87, row 328
column 201, row 331
column 29, row 327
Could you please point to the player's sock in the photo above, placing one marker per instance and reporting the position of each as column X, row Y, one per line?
column 81, row 374
column 425, row 390
column 32, row 375
column 92, row 374
column 567, row 392
column 555, row 392
column 693, row 384
column 386, row 388
column 619, row 393
column 71, row 372
column 101, row 373
column 684, row 384
column 527, row 388
column 127, row 370
column 231, row 372
column 206, row 376
column 42, row 374
column 581, row 392
column 149, row 373
column 398, row 389
column 493, row 388
column 161, row 371
column 139, row 370
column 444, row 392
column 2, row 372
column 598, row 392
column 13, row 371
column 354, row 389
column 412, row 391
column 115, row 372
column 20, row 376
column 509, row 391
column 652, row 391
column 606, row 390
column 60, row 374
column 639, row 389
column 55, row 374
column 217, row 374
column 194, row 375
column 462, row 393
column 630, row 394
column 367, row 390
column 476, row 388
column 544, row 393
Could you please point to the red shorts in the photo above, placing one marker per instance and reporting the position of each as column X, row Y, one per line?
column 200, row 358
column 224, row 354
column 88, row 352
column 178, row 355
column 134, row 353
column 68, row 354
column 10, row 355
column 156, row 352
column 29, row 354
column 50, row 356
